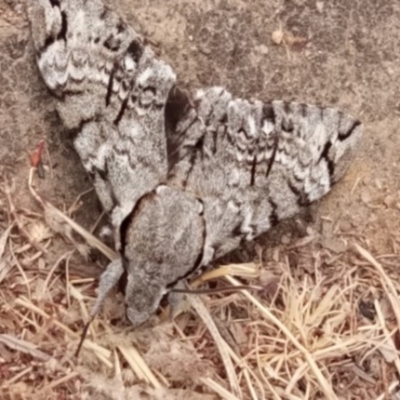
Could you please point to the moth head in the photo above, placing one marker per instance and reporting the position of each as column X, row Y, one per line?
column 162, row 242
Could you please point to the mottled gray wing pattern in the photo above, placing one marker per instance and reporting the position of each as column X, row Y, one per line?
column 233, row 168
column 111, row 90
column 254, row 164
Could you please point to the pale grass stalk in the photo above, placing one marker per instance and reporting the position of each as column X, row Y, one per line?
column 386, row 282
column 138, row 365
column 22, row 272
column 325, row 386
column 391, row 388
column 222, row 346
column 324, row 306
column 272, row 390
column 67, row 281
column 81, row 281
column 4, row 239
column 23, row 346
column 162, row 378
column 249, row 270
column 387, row 334
column 298, row 374
column 252, row 391
column 274, row 373
column 132, row 363
column 62, row 380
column 117, row 367
column 21, row 301
column 51, row 272
column 91, row 239
column 77, row 295
column 18, row 376
column 218, row 389
column 241, row 363
column 104, row 360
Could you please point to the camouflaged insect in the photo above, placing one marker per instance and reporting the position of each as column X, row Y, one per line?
column 185, row 181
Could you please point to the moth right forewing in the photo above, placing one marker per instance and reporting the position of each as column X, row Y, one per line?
column 254, row 164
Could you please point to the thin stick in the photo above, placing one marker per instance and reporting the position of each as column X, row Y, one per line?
column 216, row 290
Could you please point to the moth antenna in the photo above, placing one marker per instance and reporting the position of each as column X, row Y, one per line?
column 216, row 290
column 83, row 337
column 109, row 278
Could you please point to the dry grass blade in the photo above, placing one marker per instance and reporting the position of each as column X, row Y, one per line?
column 18, row 376
column 249, row 270
column 389, row 341
column 90, row 239
column 218, row 389
column 24, row 347
column 325, row 386
column 222, row 346
column 138, row 365
column 88, row 344
column 3, row 240
column 62, row 380
column 393, row 386
column 21, row 228
column 387, row 282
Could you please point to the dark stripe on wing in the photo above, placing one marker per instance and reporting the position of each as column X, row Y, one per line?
column 269, row 113
column 110, row 85
column 273, row 217
column 253, row 171
column 64, row 27
column 177, row 105
column 121, row 111
column 135, row 49
column 273, row 155
column 325, row 156
column 196, row 151
column 112, row 43
column 348, row 133
column 302, row 198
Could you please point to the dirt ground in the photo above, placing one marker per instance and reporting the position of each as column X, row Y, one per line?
column 337, row 53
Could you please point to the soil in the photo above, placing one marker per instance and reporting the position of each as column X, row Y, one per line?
column 336, row 53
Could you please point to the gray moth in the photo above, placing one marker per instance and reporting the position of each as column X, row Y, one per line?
column 185, row 180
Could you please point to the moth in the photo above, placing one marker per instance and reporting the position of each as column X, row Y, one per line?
column 185, row 179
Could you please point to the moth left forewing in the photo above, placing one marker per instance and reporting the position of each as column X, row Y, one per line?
column 138, row 161
column 110, row 90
